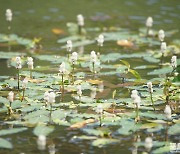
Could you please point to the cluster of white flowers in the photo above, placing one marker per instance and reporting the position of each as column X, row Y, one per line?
column 41, row 142
column 163, row 47
column 149, row 22
column 93, row 57
column 9, row 15
column 10, row 96
column 99, row 109
column 161, row 35
column 148, row 143
column 74, row 57
column 30, row 63
column 69, row 46
column 150, row 88
column 18, row 63
column 93, row 92
column 49, row 97
column 100, row 40
column 167, row 112
column 174, row 62
column 24, row 83
column 79, row 90
column 80, row 20
column 62, row 68
column 136, row 99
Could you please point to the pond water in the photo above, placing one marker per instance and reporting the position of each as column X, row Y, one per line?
column 123, row 19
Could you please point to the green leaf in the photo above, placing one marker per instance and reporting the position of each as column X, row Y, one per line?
column 135, row 73
column 5, row 144
column 125, row 63
column 43, row 130
column 101, row 142
column 174, row 130
column 12, row 131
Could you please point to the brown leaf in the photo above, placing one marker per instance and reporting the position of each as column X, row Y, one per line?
column 57, row 31
column 81, row 124
column 125, row 43
column 94, row 81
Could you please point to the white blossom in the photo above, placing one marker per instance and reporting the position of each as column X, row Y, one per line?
column 93, row 57
column 74, row 57
column 99, row 109
column 149, row 22
column 163, row 47
column 69, row 46
column 100, row 40
column 62, row 68
column 79, row 91
column 101, row 87
column 80, row 20
column 9, row 15
column 30, row 63
column 41, row 142
column 161, row 35
column 134, row 93
column 167, row 112
column 46, row 96
column 150, row 88
column 11, row 96
column 24, row 83
column 18, row 63
column 136, row 99
column 52, row 97
column 148, row 143
column 174, row 62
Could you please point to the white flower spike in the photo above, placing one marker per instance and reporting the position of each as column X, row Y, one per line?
column 150, row 88
column 74, row 57
column 9, row 15
column 41, row 142
column 161, row 35
column 167, row 112
column 149, row 22
column 46, row 96
column 100, row 40
column 18, row 63
column 80, row 20
column 174, row 62
column 163, row 47
column 30, row 63
column 52, row 97
column 62, row 68
column 148, row 143
column 69, row 46
column 79, row 91
column 93, row 57
column 24, row 83
column 11, row 96
column 99, row 109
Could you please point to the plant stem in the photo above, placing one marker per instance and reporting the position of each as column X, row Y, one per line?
column 31, row 74
column 18, row 79
column 100, row 120
column 93, row 68
column 79, row 30
column 73, row 73
column 23, row 95
column 162, row 57
column 152, row 100
column 62, row 90
column 147, row 31
column 50, row 114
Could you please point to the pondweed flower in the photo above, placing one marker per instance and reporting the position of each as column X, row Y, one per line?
column 24, row 83
column 80, row 20
column 69, row 46
column 174, row 62
column 99, row 109
column 148, row 143
column 161, row 35
column 100, row 40
column 62, row 68
column 18, row 63
column 41, row 142
column 9, row 15
column 134, row 93
column 10, row 97
column 149, row 22
column 150, row 88
column 30, row 63
column 167, row 112
column 74, row 58
column 93, row 57
column 46, row 96
column 163, row 47
column 51, row 98
column 137, row 101
column 79, row 90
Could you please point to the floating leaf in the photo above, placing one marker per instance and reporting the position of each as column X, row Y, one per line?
column 174, row 130
column 5, row 144
column 104, row 142
column 12, row 131
column 43, row 130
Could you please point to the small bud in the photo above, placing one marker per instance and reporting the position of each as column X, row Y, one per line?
column 150, row 88
column 30, row 63
column 9, row 15
column 62, row 68
column 148, row 143
column 163, row 47
column 149, row 22
column 167, row 112
column 10, row 96
column 161, row 35
column 100, row 40
column 41, row 142
column 79, row 91
column 174, row 62
column 24, row 83
column 80, row 20
column 18, row 63
column 69, row 46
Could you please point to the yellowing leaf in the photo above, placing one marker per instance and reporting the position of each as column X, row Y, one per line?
column 94, row 81
column 57, row 31
column 125, row 43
